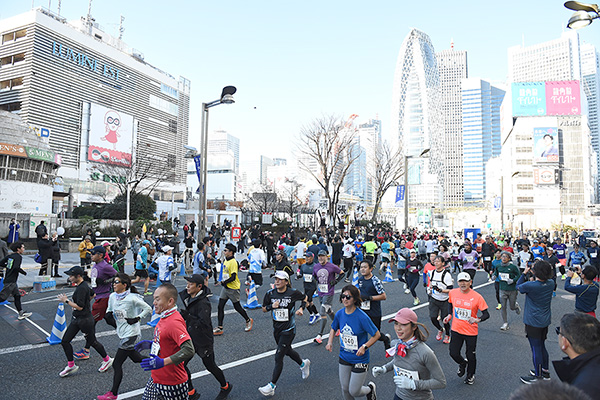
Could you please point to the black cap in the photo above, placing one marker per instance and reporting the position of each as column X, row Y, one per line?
column 197, row 278
column 323, row 253
column 98, row 249
column 231, row 246
column 76, row 270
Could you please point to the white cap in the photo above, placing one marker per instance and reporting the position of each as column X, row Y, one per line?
column 282, row 275
column 166, row 248
column 463, row 276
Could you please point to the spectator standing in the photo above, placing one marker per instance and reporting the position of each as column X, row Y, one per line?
column 13, row 231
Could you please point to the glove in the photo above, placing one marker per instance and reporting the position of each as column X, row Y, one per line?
column 509, row 281
column 377, row 371
column 401, row 381
column 132, row 321
column 143, row 345
column 154, row 362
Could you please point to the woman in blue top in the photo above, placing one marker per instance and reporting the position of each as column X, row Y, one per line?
column 355, row 326
column 537, row 316
column 576, row 257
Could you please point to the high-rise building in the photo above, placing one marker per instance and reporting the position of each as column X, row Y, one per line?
column 481, row 134
column 359, row 179
column 417, row 118
column 452, row 66
column 590, row 77
column 265, row 163
column 221, row 142
column 223, row 166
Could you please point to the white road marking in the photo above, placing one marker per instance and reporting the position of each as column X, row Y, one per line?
column 28, row 320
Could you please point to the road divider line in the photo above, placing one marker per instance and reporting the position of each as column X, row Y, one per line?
column 28, row 320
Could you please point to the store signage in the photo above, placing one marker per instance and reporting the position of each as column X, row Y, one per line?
column 84, row 61
column 39, row 154
column 12, row 150
column 97, row 176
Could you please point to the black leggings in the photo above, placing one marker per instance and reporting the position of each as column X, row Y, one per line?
column 221, row 311
column 284, row 348
column 211, row 366
column 120, row 358
column 456, row 345
column 87, row 326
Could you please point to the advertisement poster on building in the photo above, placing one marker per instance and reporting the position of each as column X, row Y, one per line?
column 545, row 145
column 545, row 176
column 111, row 136
column 528, row 98
column 424, row 216
column 563, row 98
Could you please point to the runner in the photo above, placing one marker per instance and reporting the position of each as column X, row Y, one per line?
column 561, row 253
column 281, row 302
column 310, row 286
column 414, row 266
column 12, row 264
column 141, row 267
column 196, row 313
column 488, row 248
column 468, row 258
column 327, row 275
column 372, row 294
column 508, row 274
column 525, row 257
column 301, row 249
column 386, row 247
column 348, row 257
column 403, row 254
column 576, row 258
column 464, row 304
column 355, row 328
column 169, row 350
column 554, row 263
column 83, row 321
column 416, row 369
column 440, row 284
column 495, row 263
column 537, row 316
column 228, row 278
column 593, row 252
column 128, row 309
column 165, row 265
column 199, row 261
column 257, row 260
column 370, row 248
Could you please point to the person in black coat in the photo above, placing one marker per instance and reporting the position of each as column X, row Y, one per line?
column 196, row 312
column 45, row 249
column 579, row 339
column 55, row 255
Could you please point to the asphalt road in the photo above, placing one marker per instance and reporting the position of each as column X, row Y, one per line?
column 29, row 367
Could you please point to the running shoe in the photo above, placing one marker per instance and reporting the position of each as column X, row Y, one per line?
column 305, row 368
column 318, row 339
column 194, row 396
column 68, row 371
column 224, row 393
column 528, row 380
column 249, row 324
column 405, row 287
column 469, row 380
column 518, row 310
column 267, row 390
column 82, row 354
column 372, row 395
column 462, row 368
column 416, row 301
column 108, row 396
column 148, row 293
column 106, row 365
column 23, row 315
column 313, row 319
column 439, row 335
column 563, row 277
column 499, row 306
column 545, row 374
column 347, row 280
column 217, row 331
column 505, row 327
column 446, row 339
column 407, row 291
column 553, row 294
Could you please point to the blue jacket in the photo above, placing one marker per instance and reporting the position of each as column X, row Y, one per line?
column 586, row 296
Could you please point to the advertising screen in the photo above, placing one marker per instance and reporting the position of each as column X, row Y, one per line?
column 545, row 145
column 528, row 98
column 545, row 176
column 563, row 98
column 111, row 136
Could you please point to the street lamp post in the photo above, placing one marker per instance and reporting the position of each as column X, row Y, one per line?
column 406, row 157
column 226, row 98
column 129, row 204
column 502, row 198
column 584, row 14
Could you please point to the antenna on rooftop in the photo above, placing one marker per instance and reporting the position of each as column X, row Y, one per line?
column 59, row 7
column 451, row 43
column 121, row 28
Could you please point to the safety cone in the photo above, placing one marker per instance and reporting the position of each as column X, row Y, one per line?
column 182, row 270
column 355, row 277
column 2, row 287
column 154, row 319
column 59, row 327
column 252, row 299
column 388, row 275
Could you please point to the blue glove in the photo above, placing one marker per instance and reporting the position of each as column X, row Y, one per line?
column 154, row 362
column 143, row 345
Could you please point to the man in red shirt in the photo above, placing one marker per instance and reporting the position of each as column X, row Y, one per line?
column 169, row 349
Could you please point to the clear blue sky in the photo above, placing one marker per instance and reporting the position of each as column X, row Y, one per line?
column 294, row 61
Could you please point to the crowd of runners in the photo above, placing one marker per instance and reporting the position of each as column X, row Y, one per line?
column 357, row 262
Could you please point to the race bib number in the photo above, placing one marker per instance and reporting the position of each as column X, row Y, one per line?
column 308, row 277
column 462, row 313
column 469, row 258
column 323, row 287
column 576, row 265
column 593, row 255
column 560, row 252
column 119, row 315
column 414, row 375
column 155, row 349
column 503, row 276
column 487, row 258
column 366, row 305
column 349, row 342
column 281, row 315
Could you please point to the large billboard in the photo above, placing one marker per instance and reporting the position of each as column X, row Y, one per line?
column 546, row 175
column 545, row 145
column 111, row 136
column 546, row 98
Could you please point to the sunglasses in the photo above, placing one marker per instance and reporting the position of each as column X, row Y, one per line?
column 347, row 297
column 115, row 282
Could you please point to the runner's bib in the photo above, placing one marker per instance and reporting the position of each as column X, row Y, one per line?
column 155, row 349
column 462, row 313
column 119, row 315
column 469, row 258
column 349, row 342
column 593, row 255
column 504, row 276
column 281, row 315
column 323, row 287
column 308, row 277
column 487, row 258
column 366, row 305
column 414, row 375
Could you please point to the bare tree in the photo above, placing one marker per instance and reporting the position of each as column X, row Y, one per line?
column 264, row 200
column 387, row 171
column 289, row 200
column 326, row 146
column 145, row 176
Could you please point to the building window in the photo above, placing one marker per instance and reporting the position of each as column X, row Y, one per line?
column 164, row 105
column 523, row 137
column 524, row 150
column 522, row 186
column 169, row 91
column 523, row 162
column 10, row 60
column 11, row 83
column 15, row 35
column 16, row 106
column 172, row 126
column 525, row 199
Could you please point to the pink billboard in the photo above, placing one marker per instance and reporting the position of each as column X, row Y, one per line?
column 563, row 98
